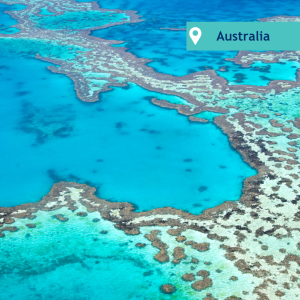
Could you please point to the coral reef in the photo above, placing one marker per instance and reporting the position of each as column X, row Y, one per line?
column 254, row 240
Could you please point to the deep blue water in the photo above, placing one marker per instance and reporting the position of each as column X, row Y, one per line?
column 6, row 20
column 167, row 48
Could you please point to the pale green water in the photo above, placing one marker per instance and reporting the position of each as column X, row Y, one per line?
column 74, row 260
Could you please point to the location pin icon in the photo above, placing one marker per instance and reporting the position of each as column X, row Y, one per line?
column 195, row 38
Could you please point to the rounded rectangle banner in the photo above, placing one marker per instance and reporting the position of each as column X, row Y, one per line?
column 242, row 36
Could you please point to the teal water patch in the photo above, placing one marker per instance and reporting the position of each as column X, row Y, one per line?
column 119, row 45
column 79, row 20
column 6, row 20
column 45, row 48
column 208, row 115
column 259, row 73
column 128, row 148
column 86, row 257
column 44, row 11
column 74, row 260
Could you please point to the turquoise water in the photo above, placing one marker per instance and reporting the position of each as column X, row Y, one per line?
column 125, row 146
column 29, row 47
column 44, row 11
column 78, row 263
column 81, row 260
column 208, row 115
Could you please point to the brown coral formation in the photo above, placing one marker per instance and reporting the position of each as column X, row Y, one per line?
column 198, row 246
column 162, row 256
column 60, row 218
column 81, row 214
column 180, row 238
column 31, row 225
column 188, row 277
column 168, row 289
column 178, row 255
column 203, row 273
column 202, row 284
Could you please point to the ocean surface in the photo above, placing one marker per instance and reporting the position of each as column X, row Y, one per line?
column 137, row 152
column 84, row 260
column 126, row 147
column 167, row 49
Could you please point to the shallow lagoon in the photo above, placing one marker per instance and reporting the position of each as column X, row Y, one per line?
column 128, row 148
column 81, row 259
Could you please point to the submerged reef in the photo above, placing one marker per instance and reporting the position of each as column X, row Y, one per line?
column 210, row 254
column 72, row 226
column 253, row 241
